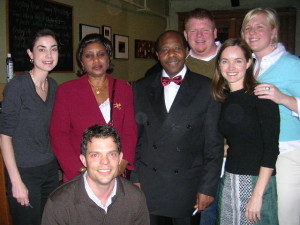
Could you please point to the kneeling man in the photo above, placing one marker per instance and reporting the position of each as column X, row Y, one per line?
column 98, row 196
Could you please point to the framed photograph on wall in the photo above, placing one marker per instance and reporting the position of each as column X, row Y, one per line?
column 106, row 32
column 144, row 49
column 121, row 46
column 85, row 29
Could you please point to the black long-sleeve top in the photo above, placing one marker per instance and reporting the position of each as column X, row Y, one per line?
column 251, row 127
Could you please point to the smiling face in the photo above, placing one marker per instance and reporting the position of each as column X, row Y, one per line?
column 44, row 53
column 172, row 53
column 233, row 66
column 259, row 35
column 201, row 35
column 95, row 59
column 102, row 161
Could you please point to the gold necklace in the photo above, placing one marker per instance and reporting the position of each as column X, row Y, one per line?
column 97, row 88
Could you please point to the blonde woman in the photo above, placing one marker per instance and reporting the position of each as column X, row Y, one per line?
column 278, row 71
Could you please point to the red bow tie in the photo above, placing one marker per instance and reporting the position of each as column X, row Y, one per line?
column 167, row 80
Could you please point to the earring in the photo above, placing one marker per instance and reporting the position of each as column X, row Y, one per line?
column 274, row 44
column 82, row 169
column 31, row 60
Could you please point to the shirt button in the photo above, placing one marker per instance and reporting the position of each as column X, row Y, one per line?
column 154, row 146
column 148, row 123
column 178, row 149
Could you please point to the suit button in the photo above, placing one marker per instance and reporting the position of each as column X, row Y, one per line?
column 148, row 123
column 176, row 171
column 178, row 149
column 189, row 126
column 154, row 169
column 154, row 146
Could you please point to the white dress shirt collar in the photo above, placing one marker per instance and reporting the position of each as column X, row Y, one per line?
column 182, row 73
column 268, row 60
column 170, row 91
column 94, row 198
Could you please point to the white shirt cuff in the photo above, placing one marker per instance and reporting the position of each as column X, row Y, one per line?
column 298, row 106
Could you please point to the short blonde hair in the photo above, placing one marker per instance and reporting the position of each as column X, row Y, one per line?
column 272, row 19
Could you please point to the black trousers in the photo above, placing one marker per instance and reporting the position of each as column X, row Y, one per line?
column 163, row 220
column 40, row 182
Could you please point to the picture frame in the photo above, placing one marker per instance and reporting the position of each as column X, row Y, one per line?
column 85, row 29
column 106, row 32
column 22, row 22
column 144, row 49
column 121, row 46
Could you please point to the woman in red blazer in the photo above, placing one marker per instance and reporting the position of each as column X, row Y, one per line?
column 94, row 98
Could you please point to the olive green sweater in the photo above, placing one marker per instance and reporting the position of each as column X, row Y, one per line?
column 206, row 68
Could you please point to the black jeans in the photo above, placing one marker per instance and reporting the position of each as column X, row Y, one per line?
column 40, row 182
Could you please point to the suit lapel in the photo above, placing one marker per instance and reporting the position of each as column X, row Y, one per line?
column 156, row 98
column 184, row 97
column 182, row 101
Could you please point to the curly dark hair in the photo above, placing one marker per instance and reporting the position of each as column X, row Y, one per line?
column 180, row 34
column 90, row 39
column 99, row 131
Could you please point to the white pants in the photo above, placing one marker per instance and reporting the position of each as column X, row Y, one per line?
column 288, row 187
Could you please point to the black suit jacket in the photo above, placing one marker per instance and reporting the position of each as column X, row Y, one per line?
column 179, row 154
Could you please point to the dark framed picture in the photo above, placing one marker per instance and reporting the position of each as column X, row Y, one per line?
column 121, row 46
column 85, row 29
column 27, row 16
column 144, row 49
column 106, row 32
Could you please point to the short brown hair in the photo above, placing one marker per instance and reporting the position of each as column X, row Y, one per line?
column 100, row 131
column 199, row 13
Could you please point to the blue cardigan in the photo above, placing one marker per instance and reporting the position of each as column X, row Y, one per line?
column 285, row 75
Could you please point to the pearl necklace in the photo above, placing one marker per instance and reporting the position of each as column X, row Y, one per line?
column 37, row 86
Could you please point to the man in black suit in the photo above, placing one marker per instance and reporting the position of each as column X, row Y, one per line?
column 180, row 150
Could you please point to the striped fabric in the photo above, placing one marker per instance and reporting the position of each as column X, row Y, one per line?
column 235, row 193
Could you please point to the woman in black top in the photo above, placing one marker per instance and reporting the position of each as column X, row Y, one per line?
column 251, row 127
column 32, row 172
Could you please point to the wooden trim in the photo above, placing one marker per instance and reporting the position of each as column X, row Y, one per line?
column 5, row 218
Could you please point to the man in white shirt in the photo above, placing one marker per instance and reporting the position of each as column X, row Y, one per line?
column 99, row 195
column 180, row 150
column 201, row 32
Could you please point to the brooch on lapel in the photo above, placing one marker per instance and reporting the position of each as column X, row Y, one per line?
column 117, row 106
